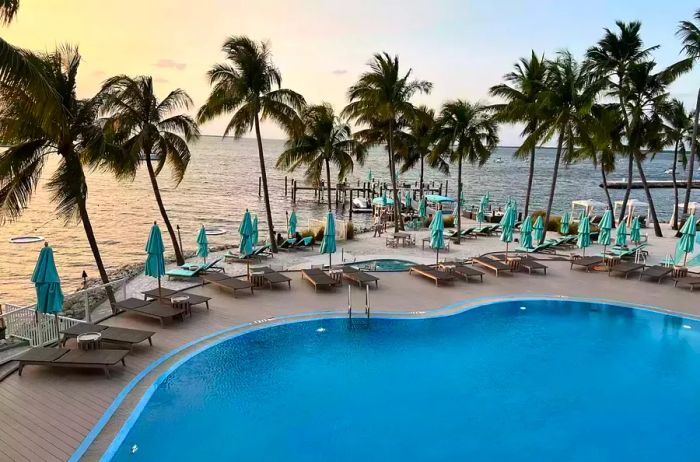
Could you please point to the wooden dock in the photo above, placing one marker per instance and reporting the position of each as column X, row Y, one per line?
column 653, row 184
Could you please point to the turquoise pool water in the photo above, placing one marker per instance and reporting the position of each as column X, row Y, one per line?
column 509, row 381
column 384, row 264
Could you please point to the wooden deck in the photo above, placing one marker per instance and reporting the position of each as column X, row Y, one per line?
column 46, row 413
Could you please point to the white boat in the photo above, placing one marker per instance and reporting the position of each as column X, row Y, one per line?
column 499, row 160
column 668, row 171
column 361, row 205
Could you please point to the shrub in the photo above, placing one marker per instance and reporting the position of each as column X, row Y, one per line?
column 447, row 220
column 573, row 228
column 350, row 231
column 309, row 233
column 554, row 222
column 319, row 234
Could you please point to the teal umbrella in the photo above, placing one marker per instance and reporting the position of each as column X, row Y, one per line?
column 369, row 175
column 328, row 242
column 437, row 239
column 245, row 230
column 408, row 200
column 480, row 215
column 584, row 234
column 604, row 234
column 526, row 233
column 155, row 262
column 423, row 208
column 686, row 243
column 539, row 229
column 49, row 297
column 621, row 235
column 564, row 227
column 202, row 244
column 635, row 231
column 293, row 223
column 507, row 226
column 581, row 216
column 254, row 236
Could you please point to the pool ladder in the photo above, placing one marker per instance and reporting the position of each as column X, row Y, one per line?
column 367, row 304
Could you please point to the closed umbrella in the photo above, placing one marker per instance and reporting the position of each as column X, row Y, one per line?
column 437, row 238
column 539, row 229
column 245, row 230
column 564, row 227
column 480, row 214
column 604, row 235
column 507, row 225
column 408, row 200
column 526, row 233
column 293, row 222
column 621, row 235
column 254, row 236
column 584, row 234
column 369, row 175
column 686, row 243
column 49, row 296
column 635, row 231
column 155, row 262
column 202, row 244
column 423, row 208
column 328, row 242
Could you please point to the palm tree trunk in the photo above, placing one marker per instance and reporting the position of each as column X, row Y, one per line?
column 607, row 192
column 550, row 201
column 421, row 176
column 674, row 225
column 626, row 120
column 459, row 195
column 266, row 195
column 529, row 181
column 163, row 213
column 647, row 191
column 398, row 219
column 328, row 179
column 693, row 153
column 628, row 189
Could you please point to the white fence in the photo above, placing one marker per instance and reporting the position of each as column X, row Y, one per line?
column 39, row 329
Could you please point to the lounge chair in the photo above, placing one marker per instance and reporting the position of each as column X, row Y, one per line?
column 227, row 282
column 151, row 309
column 432, row 273
column 538, row 248
column 467, row 272
column 586, row 262
column 625, row 268
column 657, row 271
column 193, row 299
column 624, row 253
column 64, row 357
column 159, row 293
column 257, row 253
column 359, row 277
column 689, row 281
column 288, row 244
column 270, row 276
column 484, row 230
column 530, row 264
column 116, row 335
column 191, row 271
column 305, row 243
column 491, row 264
column 318, row 278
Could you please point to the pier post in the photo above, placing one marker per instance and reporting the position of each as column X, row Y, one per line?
column 447, row 186
column 440, row 190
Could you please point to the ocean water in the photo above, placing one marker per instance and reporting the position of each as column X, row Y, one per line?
column 222, row 181
column 555, row 381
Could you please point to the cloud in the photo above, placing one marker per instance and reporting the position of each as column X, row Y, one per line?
column 170, row 64
column 339, row 71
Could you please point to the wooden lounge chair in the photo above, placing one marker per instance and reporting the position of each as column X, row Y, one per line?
column 657, row 271
column 586, row 262
column 530, row 264
column 152, row 309
column 318, row 278
column 116, row 335
column 359, row 277
column 467, row 272
column 159, row 293
column 64, row 357
column 625, row 268
column 271, row 276
column 432, row 273
column 194, row 299
column 491, row 264
column 689, row 281
column 191, row 271
column 227, row 282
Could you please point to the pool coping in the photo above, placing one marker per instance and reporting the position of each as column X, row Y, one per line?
column 208, row 341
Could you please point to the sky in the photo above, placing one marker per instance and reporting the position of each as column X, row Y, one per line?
column 321, row 47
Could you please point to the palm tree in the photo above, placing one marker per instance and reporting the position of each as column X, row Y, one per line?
column 689, row 32
column 570, row 91
column 611, row 58
column 74, row 135
column 380, row 99
column 417, row 142
column 523, row 93
column 678, row 129
column 145, row 128
column 325, row 140
column 249, row 87
column 464, row 131
column 8, row 10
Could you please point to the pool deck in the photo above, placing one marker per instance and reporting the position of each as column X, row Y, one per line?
column 47, row 413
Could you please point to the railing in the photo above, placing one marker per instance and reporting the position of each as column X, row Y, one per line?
column 89, row 299
column 23, row 322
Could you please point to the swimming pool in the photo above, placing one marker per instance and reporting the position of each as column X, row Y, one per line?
column 528, row 380
column 383, row 264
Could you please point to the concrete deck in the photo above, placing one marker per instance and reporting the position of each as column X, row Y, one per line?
column 47, row 412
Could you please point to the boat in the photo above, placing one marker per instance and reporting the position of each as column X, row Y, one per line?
column 668, row 171
column 499, row 160
column 361, row 205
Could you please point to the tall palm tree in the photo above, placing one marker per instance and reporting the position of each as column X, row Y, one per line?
column 74, row 135
column 249, row 87
column 147, row 128
column 611, row 58
column 678, row 128
column 380, row 99
column 418, row 142
column 464, row 131
column 8, row 10
column 523, row 92
column 570, row 92
column 325, row 140
column 689, row 32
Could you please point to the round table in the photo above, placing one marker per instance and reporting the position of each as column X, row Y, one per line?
column 89, row 341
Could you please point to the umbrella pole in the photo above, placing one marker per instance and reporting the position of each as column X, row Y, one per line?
column 437, row 255
column 159, row 291
column 329, row 261
column 685, row 258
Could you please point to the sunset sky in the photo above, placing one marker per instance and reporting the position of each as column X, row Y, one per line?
column 321, row 47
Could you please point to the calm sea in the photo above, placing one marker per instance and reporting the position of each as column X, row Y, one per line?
column 222, row 181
